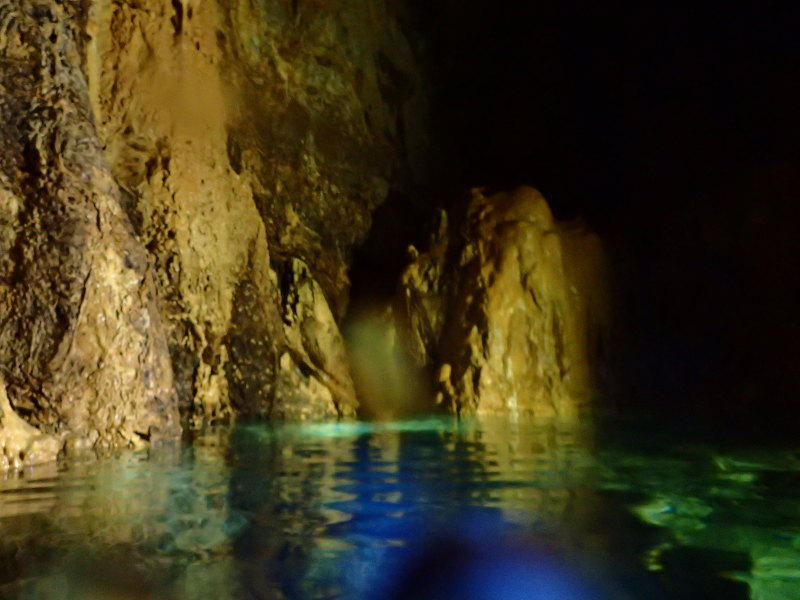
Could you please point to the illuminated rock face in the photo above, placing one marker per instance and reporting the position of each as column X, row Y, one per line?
column 314, row 381
column 181, row 188
column 21, row 444
column 511, row 306
column 247, row 135
column 165, row 166
column 82, row 346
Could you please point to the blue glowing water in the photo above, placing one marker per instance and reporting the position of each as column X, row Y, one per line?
column 341, row 510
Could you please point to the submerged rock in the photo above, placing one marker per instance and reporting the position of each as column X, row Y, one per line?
column 511, row 306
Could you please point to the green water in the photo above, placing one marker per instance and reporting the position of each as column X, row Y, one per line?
column 334, row 511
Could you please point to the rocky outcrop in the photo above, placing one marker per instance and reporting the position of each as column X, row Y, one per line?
column 314, row 378
column 81, row 341
column 181, row 188
column 182, row 185
column 511, row 307
column 21, row 444
column 250, row 138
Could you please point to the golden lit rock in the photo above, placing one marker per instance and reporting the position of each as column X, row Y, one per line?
column 513, row 305
column 244, row 136
column 82, row 346
column 314, row 381
column 21, row 444
column 164, row 168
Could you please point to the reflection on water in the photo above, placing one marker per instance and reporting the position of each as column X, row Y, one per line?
column 331, row 511
column 343, row 498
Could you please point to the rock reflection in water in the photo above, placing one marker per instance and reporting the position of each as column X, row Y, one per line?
column 345, row 500
column 337, row 510
column 283, row 511
column 138, row 526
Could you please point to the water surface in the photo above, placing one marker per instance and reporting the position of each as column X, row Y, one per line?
column 335, row 510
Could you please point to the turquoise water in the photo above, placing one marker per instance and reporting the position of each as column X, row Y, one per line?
column 340, row 511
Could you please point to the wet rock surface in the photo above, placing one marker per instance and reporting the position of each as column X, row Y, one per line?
column 21, row 444
column 82, row 346
column 314, row 380
column 166, row 168
column 183, row 186
column 511, row 307
column 249, row 136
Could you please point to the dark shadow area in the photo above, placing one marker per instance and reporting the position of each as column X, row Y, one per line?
column 378, row 262
column 674, row 131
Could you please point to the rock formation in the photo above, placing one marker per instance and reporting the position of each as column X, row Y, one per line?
column 314, row 378
column 81, row 342
column 511, row 307
column 250, row 138
column 22, row 444
column 181, row 187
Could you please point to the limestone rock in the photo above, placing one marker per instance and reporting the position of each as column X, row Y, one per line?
column 300, row 396
column 21, row 444
column 246, row 135
column 81, row 345
column 512, row 306
column 316, row 368
column 423, row 285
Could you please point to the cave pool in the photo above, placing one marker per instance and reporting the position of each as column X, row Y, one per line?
column 314, row 511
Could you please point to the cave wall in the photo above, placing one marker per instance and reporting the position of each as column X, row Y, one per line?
column 82, row 347
column 673, row 131
column 182, row 187
column 253, row 140
column 184, row 184
column 510, row 308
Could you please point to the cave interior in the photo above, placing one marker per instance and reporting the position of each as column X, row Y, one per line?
column 672, row 130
